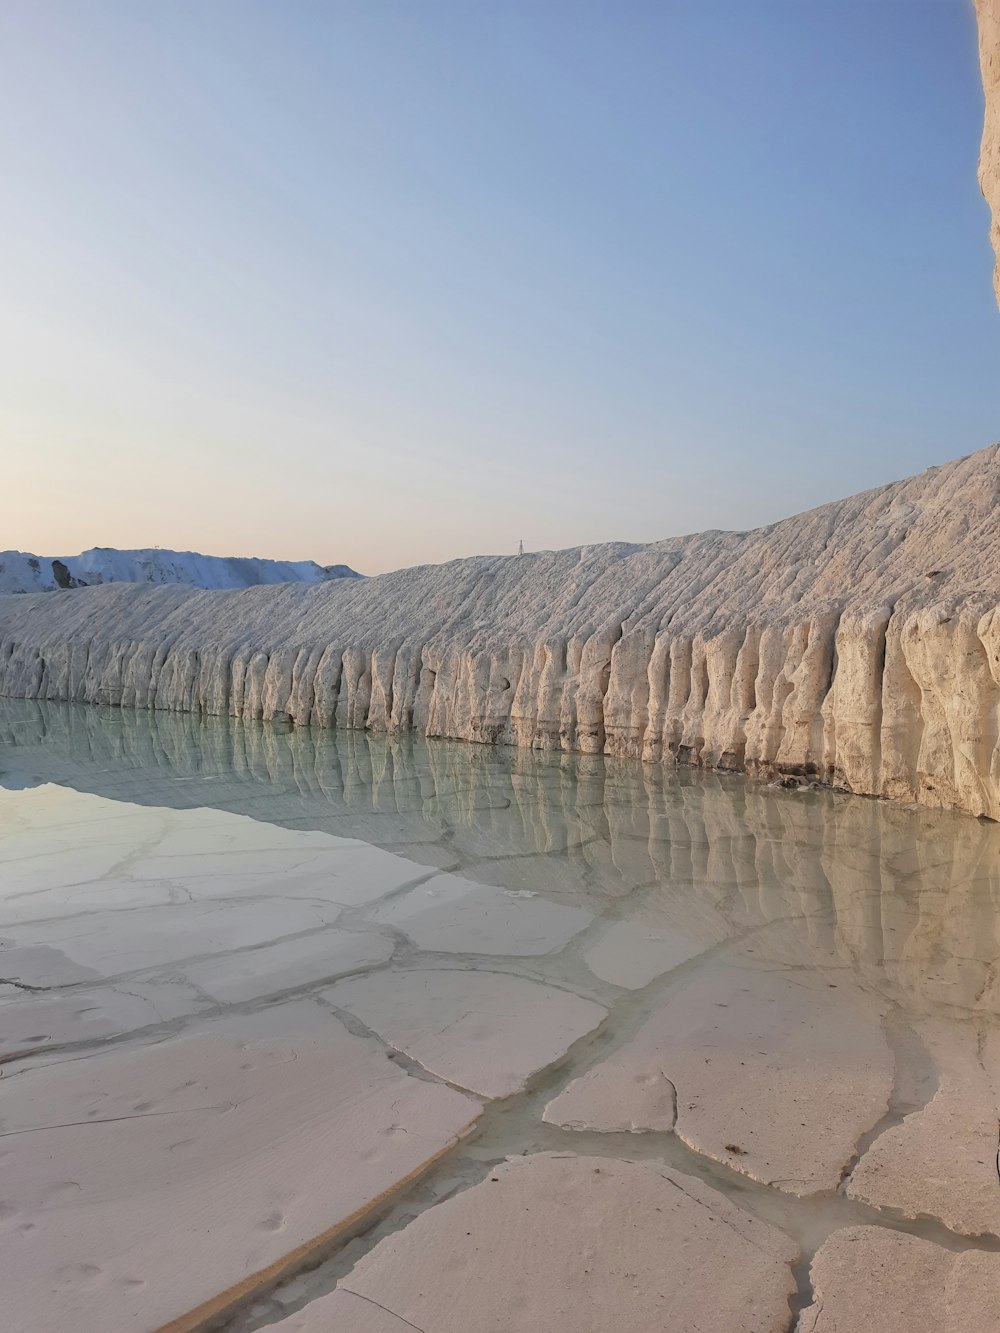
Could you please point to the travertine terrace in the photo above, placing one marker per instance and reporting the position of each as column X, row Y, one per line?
column 858, row 644
column 328, row 1030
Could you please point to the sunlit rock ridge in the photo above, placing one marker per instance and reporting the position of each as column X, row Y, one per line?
column 20, row 571
column 988, row 12
column 858, row 644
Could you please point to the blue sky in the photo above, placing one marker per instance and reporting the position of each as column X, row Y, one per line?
column 390, row 283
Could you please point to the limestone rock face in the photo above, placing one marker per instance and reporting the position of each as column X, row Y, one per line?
column 988, row 13
column 858, row 644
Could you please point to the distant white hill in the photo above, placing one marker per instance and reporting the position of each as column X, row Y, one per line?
column 22, row 572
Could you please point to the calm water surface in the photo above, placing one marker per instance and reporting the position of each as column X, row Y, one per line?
column 159, row 870
column 626, row 866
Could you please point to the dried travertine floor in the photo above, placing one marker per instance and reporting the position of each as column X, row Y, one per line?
column 486, row 1032
column 344, row 1033
column 883, row 1281
column 123, row 1172
column 623, row 1241
column 760, row 1058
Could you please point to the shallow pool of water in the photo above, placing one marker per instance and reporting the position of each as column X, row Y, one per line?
column 790, row 995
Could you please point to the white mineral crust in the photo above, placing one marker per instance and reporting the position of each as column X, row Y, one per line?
column 858, row 644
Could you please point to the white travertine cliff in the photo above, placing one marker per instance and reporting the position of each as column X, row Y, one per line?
column 858, row 644
column 988, row 13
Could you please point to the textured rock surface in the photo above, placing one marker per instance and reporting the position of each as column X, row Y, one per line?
column 627, row 1094
column 885, row 1282
column 988, row 12
column 859, row 643
column 941, row 1160
column 486, row 1032
column 241, row 1143
column 22, row 572
column 569, row 1245
column 777, row 1076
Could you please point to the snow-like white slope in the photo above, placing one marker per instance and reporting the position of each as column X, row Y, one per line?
column 22, row 572
column 858, row 643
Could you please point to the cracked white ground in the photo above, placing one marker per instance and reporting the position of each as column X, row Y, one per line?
column 342, row 1033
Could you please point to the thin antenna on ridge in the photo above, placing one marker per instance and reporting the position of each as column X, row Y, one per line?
column 520, row 547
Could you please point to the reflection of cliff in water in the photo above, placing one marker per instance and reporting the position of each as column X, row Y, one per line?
column 907, row 899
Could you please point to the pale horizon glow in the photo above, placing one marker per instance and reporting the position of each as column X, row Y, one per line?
column 383, row 285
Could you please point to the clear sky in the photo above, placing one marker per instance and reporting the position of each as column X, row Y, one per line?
column 394, row 281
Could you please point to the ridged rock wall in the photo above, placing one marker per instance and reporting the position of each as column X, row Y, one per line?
column 988, row 13
column 858, row 644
